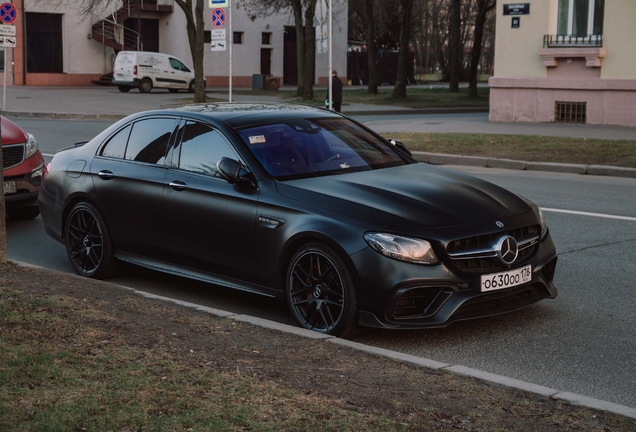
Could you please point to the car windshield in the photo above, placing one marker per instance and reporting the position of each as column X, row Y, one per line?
column 299, row 148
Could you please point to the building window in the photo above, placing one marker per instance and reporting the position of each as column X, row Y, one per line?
column 266, row 38
column 580, row 18
column 44, row 42
column 238, row 37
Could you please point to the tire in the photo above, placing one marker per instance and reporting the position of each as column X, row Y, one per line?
column 191, row 87
column 23, row 213
column 123, row 88
column 145, row 85
column 88, row 244
column 321, row 292
column 173, row 90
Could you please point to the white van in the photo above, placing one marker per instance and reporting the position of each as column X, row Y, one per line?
column 148, row 70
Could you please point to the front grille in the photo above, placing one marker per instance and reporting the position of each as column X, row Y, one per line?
column 420, row 302
column 488, row 261
column 12, row 155
column 501, row 301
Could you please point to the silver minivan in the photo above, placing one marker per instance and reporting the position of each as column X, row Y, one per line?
column 148, row 70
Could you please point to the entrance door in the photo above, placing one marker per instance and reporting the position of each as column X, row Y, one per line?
column 290, row 57
column 266, row 61
column 149, row 30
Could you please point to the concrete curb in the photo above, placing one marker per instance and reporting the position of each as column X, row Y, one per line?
column 449, row 159
column 572, row 398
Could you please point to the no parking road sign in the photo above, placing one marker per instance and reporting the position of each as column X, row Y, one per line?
column 8, row 14
column 217, row 18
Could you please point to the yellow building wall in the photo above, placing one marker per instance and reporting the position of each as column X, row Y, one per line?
column 517, row 50
column 619, row 39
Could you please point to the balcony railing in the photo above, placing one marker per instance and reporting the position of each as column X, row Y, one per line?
column 568, row 41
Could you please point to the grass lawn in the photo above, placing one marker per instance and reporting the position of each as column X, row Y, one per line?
column 416, row 97
column 530, row 148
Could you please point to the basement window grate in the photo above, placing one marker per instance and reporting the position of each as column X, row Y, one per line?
column 570, row 112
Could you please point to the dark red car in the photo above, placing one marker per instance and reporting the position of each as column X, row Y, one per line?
column 23, row 166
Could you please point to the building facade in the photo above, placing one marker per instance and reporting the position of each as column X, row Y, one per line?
column 565, row 60
column 58, row 46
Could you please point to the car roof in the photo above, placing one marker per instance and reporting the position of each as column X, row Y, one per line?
column 238, row 115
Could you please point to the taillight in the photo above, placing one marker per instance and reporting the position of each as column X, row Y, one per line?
column 135, row 70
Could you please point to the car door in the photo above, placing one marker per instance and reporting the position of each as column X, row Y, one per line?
column 210, row 224
column 128, row 174
column 179, row 74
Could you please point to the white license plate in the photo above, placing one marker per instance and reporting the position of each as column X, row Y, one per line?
column 507, row 279
column 9, row 188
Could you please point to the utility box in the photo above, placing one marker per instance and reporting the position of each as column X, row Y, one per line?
column 271, row 82
column 258, row 82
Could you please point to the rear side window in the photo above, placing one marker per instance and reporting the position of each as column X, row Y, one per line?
column 201, row 148
column 149, row 140
column 116, row 146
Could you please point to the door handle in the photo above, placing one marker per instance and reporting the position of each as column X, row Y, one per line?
column 106, row 175
column 178, row 185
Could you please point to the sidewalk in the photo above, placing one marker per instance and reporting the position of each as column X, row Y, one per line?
column 97, row 102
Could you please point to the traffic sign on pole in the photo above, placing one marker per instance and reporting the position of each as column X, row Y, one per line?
column 8, row 13
column 7, row 30
column 217, row 18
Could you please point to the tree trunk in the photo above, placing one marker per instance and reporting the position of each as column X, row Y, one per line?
column 403, row 57
column 310, row 51
column 454, row 47
column 300, row 47
column 199, row 78
column 484, row 6
column 372, row 49
column 195, row 28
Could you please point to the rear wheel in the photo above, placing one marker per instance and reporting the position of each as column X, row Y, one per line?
column 321, row 292
column 124, row 88
column 88, row 243
column 23, row 213
column 145, row 85
column 191, row 87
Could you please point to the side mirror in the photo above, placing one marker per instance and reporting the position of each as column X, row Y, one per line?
column 400, row 145
column 230, row 170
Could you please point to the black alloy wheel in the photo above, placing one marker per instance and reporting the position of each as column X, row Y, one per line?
column 145, row 85
column 88, row 243
column 320, row 291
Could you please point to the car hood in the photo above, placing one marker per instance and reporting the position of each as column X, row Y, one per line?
column 11, row 133
column 411, row 195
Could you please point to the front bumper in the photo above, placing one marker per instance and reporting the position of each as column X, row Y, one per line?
column 27, row 184
column 436, row 296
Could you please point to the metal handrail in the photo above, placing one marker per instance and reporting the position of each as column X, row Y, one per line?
column 124, row 36
column 564, row 40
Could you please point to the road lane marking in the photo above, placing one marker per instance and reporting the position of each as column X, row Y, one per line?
column 601, row 215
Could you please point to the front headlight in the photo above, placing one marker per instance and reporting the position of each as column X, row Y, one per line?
column 31, row 146
column 544, row 224
column 402, row 248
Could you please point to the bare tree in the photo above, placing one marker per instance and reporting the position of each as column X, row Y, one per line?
column 372, row 49
column 483, row 7
column 455, row 49
column 196, row 28
column 303, row 12
column 406, row 11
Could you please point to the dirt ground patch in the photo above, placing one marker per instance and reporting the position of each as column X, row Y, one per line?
column 78, row 354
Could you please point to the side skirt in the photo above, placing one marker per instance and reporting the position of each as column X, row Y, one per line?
column 202, row 276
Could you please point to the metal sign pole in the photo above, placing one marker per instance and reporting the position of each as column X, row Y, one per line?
column 4, row 84
column 330, row 55
column 231, row 42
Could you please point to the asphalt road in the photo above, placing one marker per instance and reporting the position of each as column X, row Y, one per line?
column 582, row 342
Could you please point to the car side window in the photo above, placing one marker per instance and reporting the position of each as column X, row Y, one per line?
column 176, row 64
column 202, row 147
column 149, row 140
column 116, row 146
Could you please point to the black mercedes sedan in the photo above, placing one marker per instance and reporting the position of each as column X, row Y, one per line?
column 298, row 203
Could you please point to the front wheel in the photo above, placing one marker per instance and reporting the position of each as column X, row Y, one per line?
column 321, row 291
column 145, row 85
column 88, row 244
